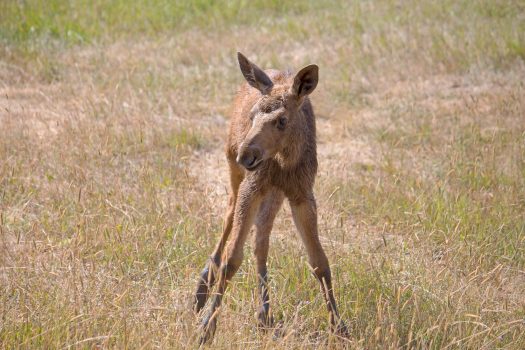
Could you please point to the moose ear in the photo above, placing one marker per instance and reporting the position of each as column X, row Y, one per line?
column 254, row 75
column 306, row 80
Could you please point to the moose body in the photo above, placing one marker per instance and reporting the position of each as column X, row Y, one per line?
column 271, row 152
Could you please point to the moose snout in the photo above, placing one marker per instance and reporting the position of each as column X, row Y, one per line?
column 250, row 157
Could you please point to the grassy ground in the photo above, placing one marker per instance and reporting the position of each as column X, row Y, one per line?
column 113, row 116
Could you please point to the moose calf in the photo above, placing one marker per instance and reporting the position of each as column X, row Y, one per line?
column 271, row 153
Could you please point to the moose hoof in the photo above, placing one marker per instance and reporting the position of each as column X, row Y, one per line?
column 264, row 320
column 202, row 292
column 341, row 329
column 208, row 330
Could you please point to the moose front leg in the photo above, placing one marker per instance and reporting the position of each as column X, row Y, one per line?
column 263, row 227
column 305, row 217
column 247, row 204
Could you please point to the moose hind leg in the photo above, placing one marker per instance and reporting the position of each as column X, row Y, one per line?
column 305, row 217
column 208, row 274
column 244, row 215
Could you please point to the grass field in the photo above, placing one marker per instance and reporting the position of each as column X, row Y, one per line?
column 113, row 116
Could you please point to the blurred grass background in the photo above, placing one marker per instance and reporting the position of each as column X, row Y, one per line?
column 458, row 33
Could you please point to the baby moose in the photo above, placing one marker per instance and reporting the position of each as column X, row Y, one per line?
column 271, row 153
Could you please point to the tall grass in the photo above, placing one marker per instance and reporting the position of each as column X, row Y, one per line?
column 113, row 183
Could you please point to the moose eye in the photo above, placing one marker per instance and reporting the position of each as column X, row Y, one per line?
column 281, row 123
column 267, row 109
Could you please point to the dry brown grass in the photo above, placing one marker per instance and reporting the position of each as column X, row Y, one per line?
column 113, row 182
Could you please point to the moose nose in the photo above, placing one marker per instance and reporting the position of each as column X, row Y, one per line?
column 250, row 158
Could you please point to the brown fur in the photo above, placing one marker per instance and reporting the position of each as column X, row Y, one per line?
column 284, row 164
